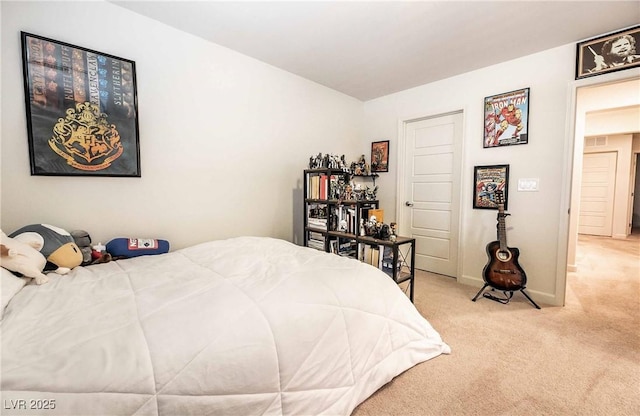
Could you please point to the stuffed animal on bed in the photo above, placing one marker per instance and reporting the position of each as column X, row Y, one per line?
column 55, row 244
column 22, row 258
column 83, row 241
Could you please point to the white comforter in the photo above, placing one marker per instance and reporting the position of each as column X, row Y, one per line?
column 245, row 326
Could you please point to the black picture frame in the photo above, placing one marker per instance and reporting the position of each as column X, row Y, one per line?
column 487, row 180
column 594, row 56
column 82, row 110
column 380, row 156
column 506, row 119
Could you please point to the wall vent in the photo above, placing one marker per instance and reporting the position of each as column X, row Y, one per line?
column 596, row 141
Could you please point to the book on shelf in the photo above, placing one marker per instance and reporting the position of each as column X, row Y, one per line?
column 380, row 257
column 320, row 185
column 371, row 254
column 317, row 244
column 346, row 219
column 347, row 248
column 314, row 187
column 317, row 216
column 317, row 223
column 386, row 263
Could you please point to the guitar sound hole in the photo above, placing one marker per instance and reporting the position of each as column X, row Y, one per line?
column 503, row 255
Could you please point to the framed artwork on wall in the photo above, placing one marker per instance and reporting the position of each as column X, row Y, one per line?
column 380, row 156
column 487, row 180
column 506, row 119
column 608, row 53
column 82, row 114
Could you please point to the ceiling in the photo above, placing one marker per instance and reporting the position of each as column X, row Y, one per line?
column 368, row 49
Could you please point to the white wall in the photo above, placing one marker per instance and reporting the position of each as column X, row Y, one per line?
column 613, row 121
column 224, row 138
column 536, row 216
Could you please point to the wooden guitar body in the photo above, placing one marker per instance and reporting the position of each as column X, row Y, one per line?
column 502, row 271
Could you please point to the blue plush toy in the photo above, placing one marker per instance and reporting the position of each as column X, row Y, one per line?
column 133, row 247
column 56, row 244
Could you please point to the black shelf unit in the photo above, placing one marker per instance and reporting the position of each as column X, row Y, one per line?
column 324, row 231
column 330, row 222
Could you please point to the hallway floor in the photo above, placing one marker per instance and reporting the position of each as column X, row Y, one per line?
column 608, row 273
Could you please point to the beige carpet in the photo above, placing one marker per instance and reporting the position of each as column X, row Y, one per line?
column 581, row 359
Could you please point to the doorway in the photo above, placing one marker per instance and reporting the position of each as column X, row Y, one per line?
column 429, row 179
column 615, row 92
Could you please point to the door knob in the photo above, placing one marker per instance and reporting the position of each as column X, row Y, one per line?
column 409, row 204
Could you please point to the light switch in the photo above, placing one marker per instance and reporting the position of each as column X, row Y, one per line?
column 528, row 184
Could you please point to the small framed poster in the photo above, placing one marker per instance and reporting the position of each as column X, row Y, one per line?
column 506, row 119
column 380, row 156
column 82, row 114
column 487, row 180
column 608, row 53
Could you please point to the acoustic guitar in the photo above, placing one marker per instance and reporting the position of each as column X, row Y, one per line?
column 502, row 271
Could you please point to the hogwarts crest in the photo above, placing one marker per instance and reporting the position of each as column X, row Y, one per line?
column 85, row 139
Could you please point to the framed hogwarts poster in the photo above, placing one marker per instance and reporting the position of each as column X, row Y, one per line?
column 82, row 115
column 506, row 119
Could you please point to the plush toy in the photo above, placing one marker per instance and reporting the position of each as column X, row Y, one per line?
column 83, row 241
column 22, row 258
column 55, row 244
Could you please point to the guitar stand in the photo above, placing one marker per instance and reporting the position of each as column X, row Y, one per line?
column 508, row 295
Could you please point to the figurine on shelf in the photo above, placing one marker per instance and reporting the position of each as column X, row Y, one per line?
column 384, row 232
column 316, row 162
column 394, row 231
column 371, row 226
column 348, row 192
column 359, row 167
column 343, row 164
column 334, row 162
column 370, row 194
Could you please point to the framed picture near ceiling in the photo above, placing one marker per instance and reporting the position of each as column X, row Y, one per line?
column 380, row 156
column 82, row 114
column 506, row 119
column 487, row 180
column 608, row 53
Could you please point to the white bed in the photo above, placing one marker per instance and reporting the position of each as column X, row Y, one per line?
column 245, row 326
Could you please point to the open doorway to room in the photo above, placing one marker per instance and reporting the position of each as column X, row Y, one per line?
column 604, row 182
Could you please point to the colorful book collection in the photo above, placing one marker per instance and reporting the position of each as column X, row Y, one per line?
column 319, row 186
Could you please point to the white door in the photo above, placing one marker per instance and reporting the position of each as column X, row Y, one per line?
column 429, row 202
column 597, row 193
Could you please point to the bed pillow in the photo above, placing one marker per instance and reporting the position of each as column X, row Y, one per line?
column 10, row 285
